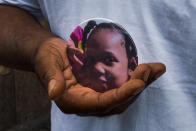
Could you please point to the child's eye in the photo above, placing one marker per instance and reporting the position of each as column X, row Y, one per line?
column 89, row 61
column 109, row 61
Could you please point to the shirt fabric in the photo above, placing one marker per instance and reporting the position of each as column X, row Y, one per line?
column 164, row 31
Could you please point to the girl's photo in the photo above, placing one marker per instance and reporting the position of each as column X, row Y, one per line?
column 102, row 54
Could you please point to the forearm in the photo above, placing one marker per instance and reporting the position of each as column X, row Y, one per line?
column 20, row 37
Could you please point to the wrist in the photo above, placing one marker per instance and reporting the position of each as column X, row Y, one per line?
column 20, row 37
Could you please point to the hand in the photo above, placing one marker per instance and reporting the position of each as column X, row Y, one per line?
column 52, row 66
column 85, row 101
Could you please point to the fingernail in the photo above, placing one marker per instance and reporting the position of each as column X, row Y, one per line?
column 51, row 89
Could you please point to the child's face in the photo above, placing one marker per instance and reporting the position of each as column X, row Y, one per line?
column 106, row 64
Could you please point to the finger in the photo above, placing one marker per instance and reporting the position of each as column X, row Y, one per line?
column 80, row 54
column 56, row 85
column 67, row 72
column 50, row 62
column 157, row 69
column 118, row 110
column 69, row 77
column 78, row 99
column 76, row 64
column 77, row 52
column 76, row 58
column 55, row 78
column 113, row 98
column 142, row 72
column 77, row 61
column 50, row 74
column 123, row 107
column 58, row 81
column 150, row 70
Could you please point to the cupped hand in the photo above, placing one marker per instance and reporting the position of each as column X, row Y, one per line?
column 52, row 66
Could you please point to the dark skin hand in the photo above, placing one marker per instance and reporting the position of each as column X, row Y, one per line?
column 32, row 48
column 74, row 98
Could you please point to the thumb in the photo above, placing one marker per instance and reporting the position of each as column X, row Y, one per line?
column 56, row 84
column 60, row 80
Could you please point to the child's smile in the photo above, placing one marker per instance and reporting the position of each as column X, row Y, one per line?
column 106, row 65
column 105, row 55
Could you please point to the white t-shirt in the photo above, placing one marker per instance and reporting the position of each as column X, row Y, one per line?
column 163, row 31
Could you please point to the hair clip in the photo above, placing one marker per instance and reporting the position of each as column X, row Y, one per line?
column 91, row 30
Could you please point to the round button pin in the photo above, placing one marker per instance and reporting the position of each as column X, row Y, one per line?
column 102, row 54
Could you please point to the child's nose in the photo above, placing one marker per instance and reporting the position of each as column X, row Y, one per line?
column 100, row 67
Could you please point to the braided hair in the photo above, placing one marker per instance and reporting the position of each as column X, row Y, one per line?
column 131, row 50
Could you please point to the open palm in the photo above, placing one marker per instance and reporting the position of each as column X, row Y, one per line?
column 52, row 66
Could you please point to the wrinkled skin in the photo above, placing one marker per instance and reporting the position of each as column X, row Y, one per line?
column 52, row 66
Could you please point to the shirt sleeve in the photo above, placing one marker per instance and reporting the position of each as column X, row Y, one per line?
column 31, row 6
